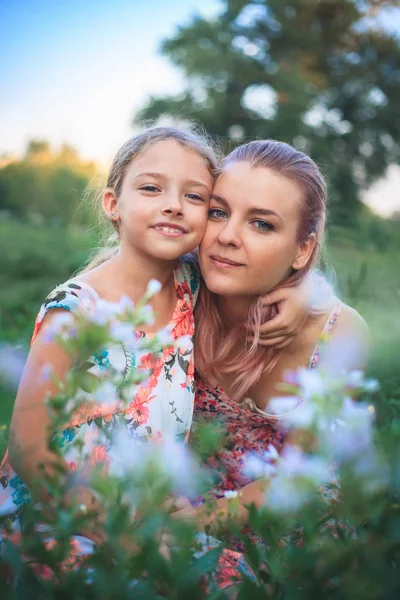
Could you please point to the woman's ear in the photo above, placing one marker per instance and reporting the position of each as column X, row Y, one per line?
column 110, row 204
column 304, row 252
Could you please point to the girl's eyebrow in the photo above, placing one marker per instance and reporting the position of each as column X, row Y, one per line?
column 162, row 176
column 252, row 211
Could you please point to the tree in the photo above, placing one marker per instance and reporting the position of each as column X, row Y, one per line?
column 320, row 74
column 45, row 185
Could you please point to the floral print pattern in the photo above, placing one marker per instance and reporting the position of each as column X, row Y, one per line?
column 162, row 406
column 245, row 432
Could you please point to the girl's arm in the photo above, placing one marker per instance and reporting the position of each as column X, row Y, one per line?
column 29, row 429
column 294, row 305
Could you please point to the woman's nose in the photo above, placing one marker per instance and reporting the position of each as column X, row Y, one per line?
column 230, row 235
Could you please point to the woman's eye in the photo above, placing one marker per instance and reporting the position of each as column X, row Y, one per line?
column 217, row 213
column 150, row 188
column 263, row 225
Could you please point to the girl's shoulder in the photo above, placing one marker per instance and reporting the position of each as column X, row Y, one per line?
column 73, row 296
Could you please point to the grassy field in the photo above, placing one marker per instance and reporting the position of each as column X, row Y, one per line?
column 367, row 280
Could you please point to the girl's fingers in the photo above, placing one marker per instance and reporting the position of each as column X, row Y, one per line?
column 274, row 342
column 275, row 325
column 275, row 296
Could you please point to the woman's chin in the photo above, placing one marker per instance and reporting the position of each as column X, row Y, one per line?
column 222, row 288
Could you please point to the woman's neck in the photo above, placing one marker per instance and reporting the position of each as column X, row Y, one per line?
column 234, row 309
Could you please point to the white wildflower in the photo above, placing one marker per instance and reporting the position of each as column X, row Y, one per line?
column 145, row 315
column 45, row 373
column 355, row 379
column 185, row 342
column 342, row 351
column 351, row 433
column 106, row 395
column 297, row 479
column 104, row 312
column 12, row 362
column 371, row 386
column 131, row 457
column 281, row 405
column 62, row 322
column 164, row 337
column 230, row 494
column 311, row 383
column 256, row 466
column 124, row 333
column 271, row 453
column 153, row 287
column 126, row 305
column 292, row 412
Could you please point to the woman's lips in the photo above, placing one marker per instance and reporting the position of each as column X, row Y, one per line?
column 224, row 263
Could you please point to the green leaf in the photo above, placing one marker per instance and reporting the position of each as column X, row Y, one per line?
column 88, row 382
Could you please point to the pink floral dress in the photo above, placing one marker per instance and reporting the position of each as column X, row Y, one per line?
column 246, row 431
column 162, row 406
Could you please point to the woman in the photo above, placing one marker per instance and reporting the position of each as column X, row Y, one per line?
column 265, row 232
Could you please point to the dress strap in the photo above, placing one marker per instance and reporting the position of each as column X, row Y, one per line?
column 330, row 322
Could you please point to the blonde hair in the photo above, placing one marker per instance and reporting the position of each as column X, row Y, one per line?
column 191, row 139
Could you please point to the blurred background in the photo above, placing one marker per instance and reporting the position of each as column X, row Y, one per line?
column 79, row 77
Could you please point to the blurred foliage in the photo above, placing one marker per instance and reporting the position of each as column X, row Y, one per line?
column 33, row 260
column 320, row 74
column 310, row 540
column 45, row 186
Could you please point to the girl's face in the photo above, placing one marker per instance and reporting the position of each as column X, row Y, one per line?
column 164, row 200
column 251, row 240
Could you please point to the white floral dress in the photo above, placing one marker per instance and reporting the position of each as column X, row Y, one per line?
column 161, row 408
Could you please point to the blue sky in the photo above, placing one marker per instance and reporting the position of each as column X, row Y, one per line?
column 75, row 71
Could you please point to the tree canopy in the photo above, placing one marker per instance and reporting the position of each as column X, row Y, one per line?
column 45, row 185
column 323, row 75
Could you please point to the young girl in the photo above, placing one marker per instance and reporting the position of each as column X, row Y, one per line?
column 157, row 199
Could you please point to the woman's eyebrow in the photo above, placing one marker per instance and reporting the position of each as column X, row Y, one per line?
column 253, row 211
column 266, row 212
column 219, row 199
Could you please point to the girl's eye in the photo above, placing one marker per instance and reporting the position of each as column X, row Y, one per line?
column 263, row 225
column 150, row 188
column 216, row 213
column 195, row 197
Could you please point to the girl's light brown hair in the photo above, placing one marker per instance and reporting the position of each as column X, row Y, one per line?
column 191, row 139
column 221, row 352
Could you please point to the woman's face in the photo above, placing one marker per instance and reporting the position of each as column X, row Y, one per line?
column 251, row 242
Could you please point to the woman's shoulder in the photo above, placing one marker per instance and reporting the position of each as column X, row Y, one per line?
column 348, row 343
column 351, row 322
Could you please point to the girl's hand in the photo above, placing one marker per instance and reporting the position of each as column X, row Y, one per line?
column 294, row 304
